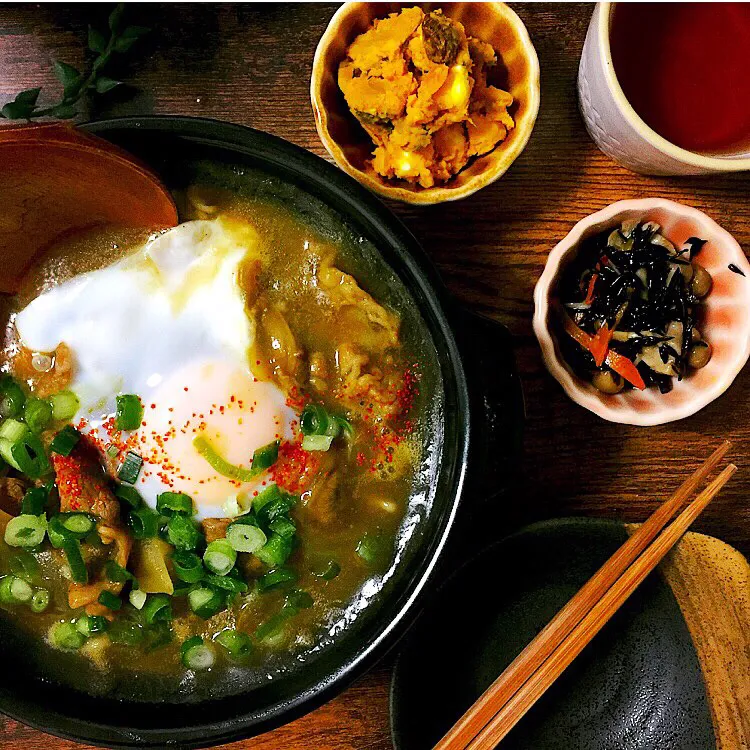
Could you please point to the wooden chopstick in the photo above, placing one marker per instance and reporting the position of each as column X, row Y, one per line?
column 523, row 666
column 512, row 711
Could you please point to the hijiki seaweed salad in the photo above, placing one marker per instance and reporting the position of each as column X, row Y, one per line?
column 631, row 307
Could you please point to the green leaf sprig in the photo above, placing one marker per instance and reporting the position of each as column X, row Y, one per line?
column 76, row 84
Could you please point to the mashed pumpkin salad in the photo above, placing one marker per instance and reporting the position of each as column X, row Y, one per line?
column 418, row 85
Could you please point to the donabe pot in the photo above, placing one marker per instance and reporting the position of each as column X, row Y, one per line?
column 164, row 143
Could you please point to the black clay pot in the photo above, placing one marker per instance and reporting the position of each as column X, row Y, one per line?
column 481, row 420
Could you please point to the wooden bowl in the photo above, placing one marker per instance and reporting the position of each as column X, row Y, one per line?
column 351, row 147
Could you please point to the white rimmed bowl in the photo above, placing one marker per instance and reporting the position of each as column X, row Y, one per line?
column 725, row 319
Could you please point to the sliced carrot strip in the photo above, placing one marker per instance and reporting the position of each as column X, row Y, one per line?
column 600, row 345
column 590, row 291
column 617, row 362
column 625, row 368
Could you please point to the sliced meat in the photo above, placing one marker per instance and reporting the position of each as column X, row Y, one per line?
column 87, row 594
column 12, row 491
column 365, row 388
column 215, row 528
column 344, row 293
column 82, row 484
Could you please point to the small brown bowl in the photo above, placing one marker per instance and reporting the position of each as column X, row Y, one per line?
column 351, row 147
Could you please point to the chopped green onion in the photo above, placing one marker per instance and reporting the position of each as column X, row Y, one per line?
column 12, row 430
column 371, row 548
column 275, row 578
column 188, row 566
column 273, row 625
column 25, row 566
column 129, row 495
column 89, row 625
column 329, row 571
column 126, row 632
column 245, row 537
column 299, row 600
column 12, row 397
column 314, row 420
column 78, row 524
column 220, row 557
column 196, row 655
column 116, row 573
column 228, row 583
column 64, row 406
column 205, row 602
column 158, row 608
column 112, row 451
column 25, row 531
column 138, row 598
column 34, row 501
column 30, row 457
column 129, row 412
column 238, row 644
column 158, row 635
column 263, row 458
column 174, row 502
column 316, row 442
column 65, row 440
column 143, row 522
column 57, row 533
column 78, row 572
column 131, row 468
column 272, row 492
column 276, row 550
column 37, row 414
column 283, row 526
column 14, row 590
column 39, row 601
column 109, row 600
column 276, row 508
column 183, row 533
column 66, row 636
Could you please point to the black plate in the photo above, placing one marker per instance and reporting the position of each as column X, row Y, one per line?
column 636, row 686
column 169, row 144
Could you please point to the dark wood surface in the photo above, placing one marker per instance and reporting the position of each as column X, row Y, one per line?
column 251, row 65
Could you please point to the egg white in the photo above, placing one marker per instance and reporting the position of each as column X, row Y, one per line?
column 168, row 323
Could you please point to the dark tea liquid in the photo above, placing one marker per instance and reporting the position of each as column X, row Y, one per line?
column 685, row 68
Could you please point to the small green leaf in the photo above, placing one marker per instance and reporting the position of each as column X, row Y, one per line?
column 27, row 97
column 63, row 111
column 97, row 40
column 115, row 17
column 22, row 107
column 104, row 84
column 68, row 76
column 129, row 37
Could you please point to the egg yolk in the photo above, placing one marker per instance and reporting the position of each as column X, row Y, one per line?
column 236, row 413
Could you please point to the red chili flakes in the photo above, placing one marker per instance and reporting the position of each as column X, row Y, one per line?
column 294, row 467
column 296, row 399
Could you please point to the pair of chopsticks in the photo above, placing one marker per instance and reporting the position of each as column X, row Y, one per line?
column 503, row 704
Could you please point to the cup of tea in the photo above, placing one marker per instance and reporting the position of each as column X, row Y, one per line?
column 664, row 88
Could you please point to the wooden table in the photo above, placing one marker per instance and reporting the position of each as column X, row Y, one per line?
column 251, row 65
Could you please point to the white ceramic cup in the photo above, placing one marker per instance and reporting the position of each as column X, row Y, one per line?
column 615, row 126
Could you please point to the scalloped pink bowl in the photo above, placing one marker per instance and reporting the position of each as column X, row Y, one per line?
column 725, row 321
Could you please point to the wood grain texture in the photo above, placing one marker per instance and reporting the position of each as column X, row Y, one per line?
column 250, row 64
column 711, row 582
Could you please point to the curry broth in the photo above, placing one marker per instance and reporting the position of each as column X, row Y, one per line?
column 374, row 487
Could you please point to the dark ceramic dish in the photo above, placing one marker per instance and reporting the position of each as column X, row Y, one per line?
column 494, row 410
column 638, row 685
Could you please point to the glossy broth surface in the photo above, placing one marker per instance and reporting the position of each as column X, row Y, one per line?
column 371, row 491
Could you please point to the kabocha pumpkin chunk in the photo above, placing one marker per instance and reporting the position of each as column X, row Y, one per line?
column 417, row 84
